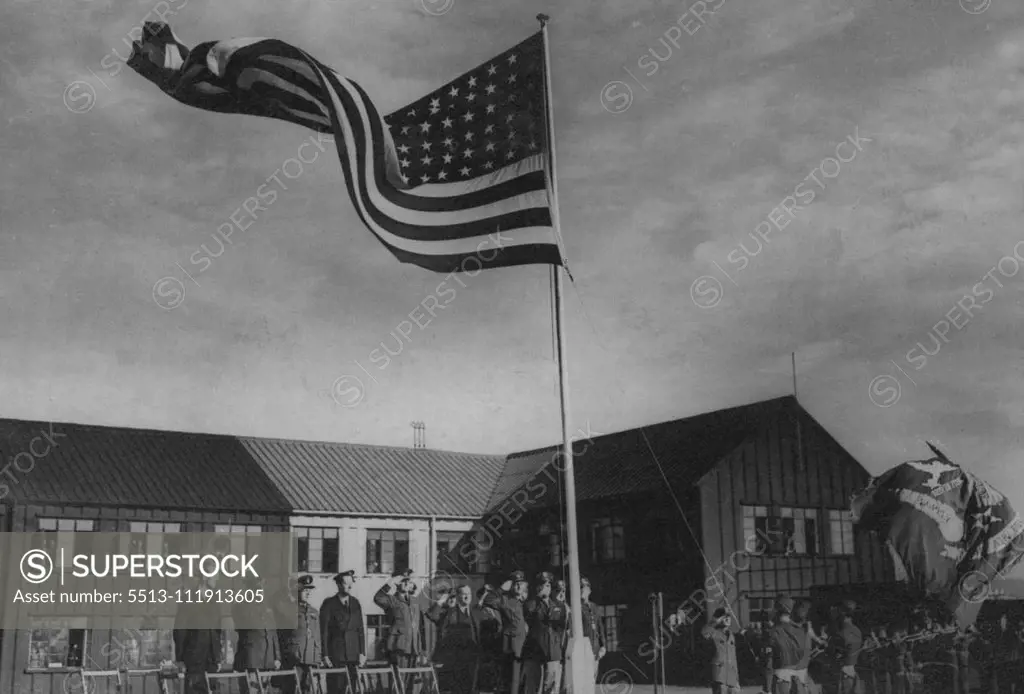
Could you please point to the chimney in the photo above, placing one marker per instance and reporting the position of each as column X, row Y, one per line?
column 419, row 435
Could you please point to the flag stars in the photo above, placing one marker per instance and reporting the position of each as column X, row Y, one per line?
column 490, row 89
column 512, row 78
column 490, row 109
column 468, row 117
column 404, row 149
column 488, row 130
column 447, row 122
column 472, row 82
column 405, row 179
column 490, row 147
column 426, row 160
column 510, row 154
column 425, row 127
column 411, row 113
column 448, row 142
column 533, row 145
column 469, row 136
column 464, row 171
column 454, row 92
column 512, row 59
column 447, row 158
column 442, row 175
column 491, row 69
column 467, row 153
column 471, row 97
column 435, row 105
column 405, row 129
column 489, row 165
column 425, row 178
column 404, row 162
column 426, row 146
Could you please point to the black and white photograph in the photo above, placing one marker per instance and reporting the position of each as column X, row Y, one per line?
column 489, row 347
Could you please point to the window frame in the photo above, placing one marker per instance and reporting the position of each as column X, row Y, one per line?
column 847, row 537
column 397, row 538
column 801, row 535
column 322, row 563
column 72, row 636
column 610, row 521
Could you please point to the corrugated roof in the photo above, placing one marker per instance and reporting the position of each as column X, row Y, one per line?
column 621, row 463
column 340, row 477
column 117, row 466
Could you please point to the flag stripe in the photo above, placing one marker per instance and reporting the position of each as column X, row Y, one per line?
column 479, row 216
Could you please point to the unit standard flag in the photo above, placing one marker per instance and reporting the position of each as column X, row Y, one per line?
column 950, row 533
column 454, row 181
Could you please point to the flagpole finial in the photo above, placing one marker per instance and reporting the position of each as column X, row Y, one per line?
column 543, row 19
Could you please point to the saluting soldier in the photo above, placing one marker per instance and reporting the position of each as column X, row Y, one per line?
column 405, row 619
column 302, row 647
column 509, row 605
column 789, row 646
column 547, row 620
column 725, row 674
column 343, row 632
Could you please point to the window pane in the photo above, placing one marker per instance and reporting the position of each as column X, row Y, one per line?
column 332, row 554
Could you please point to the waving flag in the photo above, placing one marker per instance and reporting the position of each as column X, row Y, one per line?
column 454, row 181
column 951, row 534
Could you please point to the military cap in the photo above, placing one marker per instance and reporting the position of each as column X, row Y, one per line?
column 545, row 577
column 338, row 578
column 407, row 573
column 305, row 582
column 517, row 576
column 784, row 605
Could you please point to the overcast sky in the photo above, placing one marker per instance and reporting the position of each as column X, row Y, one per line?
column 108, row 186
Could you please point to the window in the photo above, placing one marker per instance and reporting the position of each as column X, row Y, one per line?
column 760, row 610
column 319, row 550
column 387, row 551
column 608, row 539
column 142, row 648
column 237, row 535
column 611, row 618
column 58, row 534
column 376, row 636
column 148, row 538
column 447, row 555
column 54, row 644
column 840, row 525
column 786, row 531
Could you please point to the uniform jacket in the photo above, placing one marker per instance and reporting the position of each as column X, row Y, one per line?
column 513, row 621
column 547, row 623
column 593, row 627
column 847, row 644
column 406, row 619
column 342, row 630
column 789, row 644
column 724, row 667
column 304, row 644
column 257, row 649
column 199, row 649
column 461, row 635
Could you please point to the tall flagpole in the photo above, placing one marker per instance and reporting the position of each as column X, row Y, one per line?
column 582, row 677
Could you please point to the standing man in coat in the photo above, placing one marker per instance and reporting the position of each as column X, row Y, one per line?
column 343, row 633
column 593, row 625
column 257, row 648
column 302, row 648
column 460, row 644
column 725, row 673
column 509, row 605
column 789, row 647
column 847, row 645
column 405, row 619
column 547, row 620
column 197, row 651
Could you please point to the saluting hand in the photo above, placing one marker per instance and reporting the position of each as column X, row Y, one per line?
column 362, row 660
column 277, row 664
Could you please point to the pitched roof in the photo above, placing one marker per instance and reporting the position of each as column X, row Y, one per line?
column 115, row 466
column 336, row 477
column 623, row 463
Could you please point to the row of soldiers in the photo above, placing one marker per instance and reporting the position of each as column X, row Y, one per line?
column 527, row 635
column 914, row 656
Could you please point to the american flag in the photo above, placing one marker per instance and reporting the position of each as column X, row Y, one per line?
column 454, row 181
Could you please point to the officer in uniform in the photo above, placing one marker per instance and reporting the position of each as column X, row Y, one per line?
column 547, row 620
column 303, row 647
column 846, row 646
column 405, row 619
column 509, row 605
column 343, row 632
column 593, row 625
column 725, row 674
column 789, row 646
